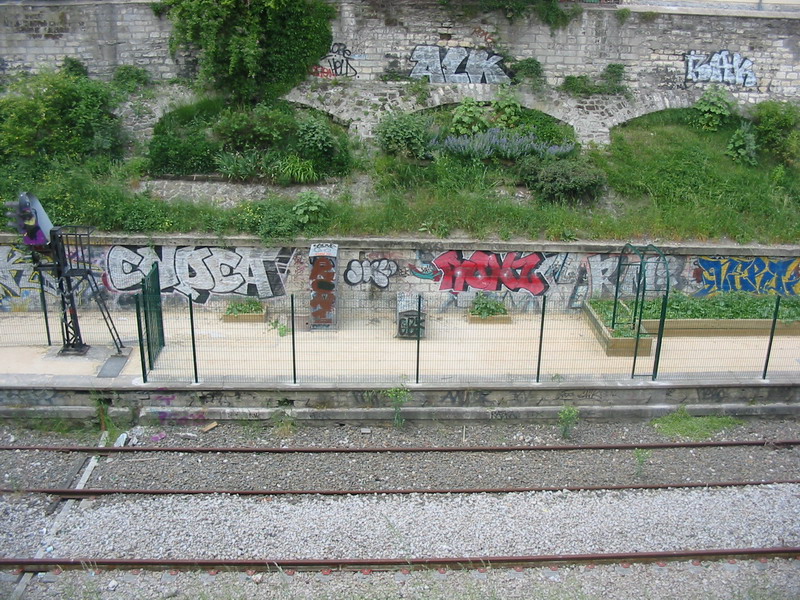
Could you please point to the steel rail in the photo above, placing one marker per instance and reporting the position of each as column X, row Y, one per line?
column 37, row 565
column 91, row 492
column 397, row 449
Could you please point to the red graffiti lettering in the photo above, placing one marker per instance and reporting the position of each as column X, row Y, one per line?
column 490, row 271
column 323, row 291
column 324, row 72
column 482, row 33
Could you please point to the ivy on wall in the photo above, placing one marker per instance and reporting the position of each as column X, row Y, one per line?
column 252, row 49
column 549, row 12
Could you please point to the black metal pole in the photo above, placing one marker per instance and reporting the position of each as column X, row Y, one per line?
column 294, row 350
column 141, row 337
column 661, row 323
column 194, row 341
column 771, row 335
column 419, row 331
column 43, row 300
column 541, row 339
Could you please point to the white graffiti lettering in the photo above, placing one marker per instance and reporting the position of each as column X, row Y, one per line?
column 202, row 271
column 377, row 271
column 457, row 65
column 720, row 67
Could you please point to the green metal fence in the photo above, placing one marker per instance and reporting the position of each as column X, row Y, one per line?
column 150, row 321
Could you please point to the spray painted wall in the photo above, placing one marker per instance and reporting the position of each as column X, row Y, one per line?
column 214, row 273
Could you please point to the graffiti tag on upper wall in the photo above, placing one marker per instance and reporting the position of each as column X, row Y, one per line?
column 757, row 275
column 720, row 67
column 491, row 271
column 457, row 65
column 200, row 271
column 376, row 272
column 336, row 63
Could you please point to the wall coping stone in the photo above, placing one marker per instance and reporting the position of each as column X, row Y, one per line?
column 434, row 244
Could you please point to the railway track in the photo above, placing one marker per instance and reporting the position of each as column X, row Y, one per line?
column 466, row 562
column 344, row 474
column 407, row 470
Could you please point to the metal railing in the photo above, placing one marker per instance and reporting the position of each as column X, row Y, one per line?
column 377, row 343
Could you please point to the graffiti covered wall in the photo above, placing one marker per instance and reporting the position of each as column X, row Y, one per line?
column 214, row 273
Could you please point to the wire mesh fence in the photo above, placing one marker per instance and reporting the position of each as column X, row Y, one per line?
column 384, row 341
column 374, row 343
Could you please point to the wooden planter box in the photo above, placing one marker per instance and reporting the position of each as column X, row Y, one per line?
column 720, row 327
column 494, row 319
column 615, row 346
column 245, row 318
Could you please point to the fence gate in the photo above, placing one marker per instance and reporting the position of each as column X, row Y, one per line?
column 150, row 320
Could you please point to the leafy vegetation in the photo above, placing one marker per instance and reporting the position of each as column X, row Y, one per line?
column 60, row 140
column 567, row 420
column 249, row 306
column 549, row 12
column 681, row 424
column 610, row 81
column 714, row 108
column 484, row 306
column 256, row 49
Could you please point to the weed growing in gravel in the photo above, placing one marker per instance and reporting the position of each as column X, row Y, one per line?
column 398, row 397
column 284, row 424
column 567, row 419
column 681, row 424
column 106, row 423
column 642, row 456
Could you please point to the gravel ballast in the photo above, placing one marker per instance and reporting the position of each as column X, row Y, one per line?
column 418, row 526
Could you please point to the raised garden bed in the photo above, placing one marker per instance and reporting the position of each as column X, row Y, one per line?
column 493, row 319
column 615, row 346
column 720, row 327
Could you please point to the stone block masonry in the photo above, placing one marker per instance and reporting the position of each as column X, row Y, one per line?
column 669, row 58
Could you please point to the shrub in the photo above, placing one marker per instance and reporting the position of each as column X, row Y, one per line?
column 714, row 108
column 469, row 117
column 182, row 144
column 568, row 180
column 74, row 67
column 506, row 109
column 778, row 129
column 507, row 145
column 484, row 306
column 316, row 143
column 262, row 127
column 239, row 166
column 404, row 134
column 254, row 49
column 310, row 209
column 610, row 81
column 129, row 78
column 742, row 145
column 59, row 115
column 530, row 70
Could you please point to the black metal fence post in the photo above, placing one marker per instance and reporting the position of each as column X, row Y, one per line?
column 661, row 323
column 771, row 335
column 141, row 337
column 419, row 331
column 43, row 300
column 541, row 339
column 194, row 340
column 294, row 350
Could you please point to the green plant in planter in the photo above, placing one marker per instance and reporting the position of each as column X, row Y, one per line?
column 484, row 306
column 251, row 306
